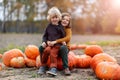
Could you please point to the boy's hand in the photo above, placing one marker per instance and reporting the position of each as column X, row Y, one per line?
column 53, row 43
column 64, row 43
column 44, row 44
column 48, row 43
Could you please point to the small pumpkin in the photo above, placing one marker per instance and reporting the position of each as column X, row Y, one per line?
column 100, row 58
column 106, row 70
column 32, row 51
column 93, row 50
column 8, row 55
column 17, row 62
column 30, row 62
column 83, row 61
column 38, row 61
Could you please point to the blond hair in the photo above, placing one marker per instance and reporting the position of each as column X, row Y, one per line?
column 54, row 11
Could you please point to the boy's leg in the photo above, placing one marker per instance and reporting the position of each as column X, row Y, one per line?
column 44, row 59
column 64, row 55
column 45, row 55
column 53, row 60
column 41, row 49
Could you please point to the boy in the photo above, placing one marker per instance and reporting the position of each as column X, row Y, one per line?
column 53, row 31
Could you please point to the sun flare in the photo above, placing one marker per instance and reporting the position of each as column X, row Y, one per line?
column 116, row 4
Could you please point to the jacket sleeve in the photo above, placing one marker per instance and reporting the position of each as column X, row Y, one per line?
column 45, row 35
column 67, row 37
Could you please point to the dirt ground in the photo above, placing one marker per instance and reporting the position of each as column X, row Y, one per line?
column 31, row 73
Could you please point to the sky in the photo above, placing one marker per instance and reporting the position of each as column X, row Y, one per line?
column 1, row 10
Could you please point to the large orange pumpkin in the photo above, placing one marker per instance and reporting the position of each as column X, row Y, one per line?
column 8, row 55
column 59, row 63
column 30, row 62
column 100, row 58
column 93, row 50
column 105, row 70
column 17, row 62
column 116, row 75
column 83, row 61
column 32, row 51
column 71, row 61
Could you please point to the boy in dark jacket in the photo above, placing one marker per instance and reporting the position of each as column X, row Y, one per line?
column 53, row 32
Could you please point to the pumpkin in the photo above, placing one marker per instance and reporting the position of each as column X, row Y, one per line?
column 17, row 62
column 73, row 47
column 71, row 61
column 30, row 62
column 0, row 66
column 59, row 63
column 81, row 46
column 0, row 55
column 38, row 61
column 32, row 51
column 106, row 70
column 100, row 58
column 93, row 50
column 8, row 55
column 83, row 61
column 116, row 75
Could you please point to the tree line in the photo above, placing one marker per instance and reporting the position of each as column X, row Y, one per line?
column 88, row 16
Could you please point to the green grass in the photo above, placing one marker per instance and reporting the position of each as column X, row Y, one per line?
column 12, row 46
column 101, row 43
column 105, row 43
column 34, row 75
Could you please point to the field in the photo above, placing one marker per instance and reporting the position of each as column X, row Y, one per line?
column 109, row 43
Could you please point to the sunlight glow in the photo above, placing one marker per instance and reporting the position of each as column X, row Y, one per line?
column 116, row 4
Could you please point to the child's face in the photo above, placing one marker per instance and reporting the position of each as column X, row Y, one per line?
column 65, row 21
column 54, row 20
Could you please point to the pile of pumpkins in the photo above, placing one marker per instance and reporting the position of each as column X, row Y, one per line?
column 17, row 59
column 104, row 65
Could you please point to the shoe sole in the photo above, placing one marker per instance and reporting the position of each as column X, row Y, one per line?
column 50, row 73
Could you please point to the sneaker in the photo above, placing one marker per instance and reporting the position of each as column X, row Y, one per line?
column 67, row 71
column 42, row 70
column 52, row 71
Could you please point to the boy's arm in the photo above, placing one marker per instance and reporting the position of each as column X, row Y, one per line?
column 67, row 37
column 45, row 35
